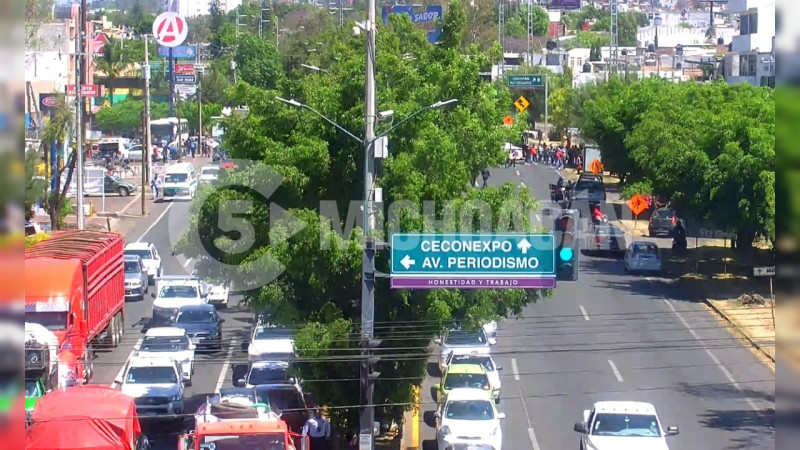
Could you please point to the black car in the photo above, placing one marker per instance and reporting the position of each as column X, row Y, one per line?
column 589, row 187
column 287, row 401
column 202, row 324
column 662, row 221
column 605, row 237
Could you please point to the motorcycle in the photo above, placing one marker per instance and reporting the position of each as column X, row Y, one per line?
column 556, row 193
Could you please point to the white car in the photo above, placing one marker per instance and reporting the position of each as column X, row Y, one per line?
column 468, row 418
column 174, row 292
column 156, row 384
column 623, row 425
column 150, row 257
column 470, row 341
column 270, row 343
column 209, row 174
column 642, row 256
column 490, row 328
column 218, row 295
column 460, row 356
column 170, row 342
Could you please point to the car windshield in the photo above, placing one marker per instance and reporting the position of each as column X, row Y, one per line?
column 281, row 399
column 485, row 361
column 109, row 147
column 261, row 441
column 175, row 178
column 466, row 380
column 267, row 375
column 32, row 388
column 132, row 267
column 469, row 410
column 178, row 292
column 639, row 425
column 273, row 333
column 151, row 375
column 165, row 344
column 210, row 171
column 195, row 316
column 144, row 254
column 457, row 337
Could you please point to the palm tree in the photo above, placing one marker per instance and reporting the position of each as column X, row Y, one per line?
column 117, row 62
column 56, row 131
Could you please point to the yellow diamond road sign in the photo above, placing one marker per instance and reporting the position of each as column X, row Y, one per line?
column 106, row 104
column 522, row 104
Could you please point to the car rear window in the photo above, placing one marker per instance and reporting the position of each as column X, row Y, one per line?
column 645, row 249
column 663, row 214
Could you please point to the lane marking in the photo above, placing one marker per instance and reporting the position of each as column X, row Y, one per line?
column 521, row 184
column 152, row 225
column 559, row 174
column 534, row 442
column 130, row 203
column 615, row 370
column 728, row 375
column 121, row 372
column 514, row 368
column 585, row 315
column 225, row 366
column 187, row 262
column 517, row 172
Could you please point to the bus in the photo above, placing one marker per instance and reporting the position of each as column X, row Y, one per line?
column 169, row 130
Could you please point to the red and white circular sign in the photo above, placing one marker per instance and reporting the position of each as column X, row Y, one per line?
column 49, row 101
column 170, row 29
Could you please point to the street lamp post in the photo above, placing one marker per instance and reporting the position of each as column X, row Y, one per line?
column 314, row 68
column 368, row 276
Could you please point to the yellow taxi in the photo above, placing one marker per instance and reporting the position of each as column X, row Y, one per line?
column 464, row 376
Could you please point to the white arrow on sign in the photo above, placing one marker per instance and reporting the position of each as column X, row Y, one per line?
column 764, row 271
column 524, row 245
column 407, row 262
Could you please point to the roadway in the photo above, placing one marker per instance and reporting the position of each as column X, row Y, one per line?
column 612, row 336
column 165, row 222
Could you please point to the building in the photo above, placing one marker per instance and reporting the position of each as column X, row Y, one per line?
column 194, row 8
column 752, row 58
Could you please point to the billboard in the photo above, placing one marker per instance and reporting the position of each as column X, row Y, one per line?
column 565, row 5
column 181, row 51
column 424, row 17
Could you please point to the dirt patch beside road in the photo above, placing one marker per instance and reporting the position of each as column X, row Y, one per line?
column 750, row 321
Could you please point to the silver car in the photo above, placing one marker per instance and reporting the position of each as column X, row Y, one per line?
column 473, row 342
column 136, row 281
column 643, row 256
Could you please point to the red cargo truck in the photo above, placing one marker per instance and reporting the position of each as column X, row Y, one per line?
column 75, row 287
column 89, row 417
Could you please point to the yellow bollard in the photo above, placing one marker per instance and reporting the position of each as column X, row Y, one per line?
column 415, row 419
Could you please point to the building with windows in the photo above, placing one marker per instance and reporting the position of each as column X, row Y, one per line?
column 752, row 56
column 194, row 8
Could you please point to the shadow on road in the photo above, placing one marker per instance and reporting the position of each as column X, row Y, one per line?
column 759, row 426
column 432, row 369
column 724, row 390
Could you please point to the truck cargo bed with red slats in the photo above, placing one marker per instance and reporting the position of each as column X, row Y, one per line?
column 101, row 255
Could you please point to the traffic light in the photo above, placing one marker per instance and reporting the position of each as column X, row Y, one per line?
column 368, row 373
column 568, row 248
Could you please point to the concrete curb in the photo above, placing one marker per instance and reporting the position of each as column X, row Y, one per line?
column 739, row 331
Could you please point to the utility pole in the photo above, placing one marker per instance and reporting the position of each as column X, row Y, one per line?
column 368, row 376
column 79, row 128
column 200, row 115
column 178, row 133
column 530, row 31
column 147, row 141
column 501, row 36
column 546, row 105
column 614, row 33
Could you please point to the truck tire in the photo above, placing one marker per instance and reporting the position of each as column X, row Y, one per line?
column 112, row 332
column 120, row 326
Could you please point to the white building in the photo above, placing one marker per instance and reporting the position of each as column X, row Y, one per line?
column 752, row 57
column 194, row 8
column 672, row 36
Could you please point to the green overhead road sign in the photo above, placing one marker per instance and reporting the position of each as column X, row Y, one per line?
column 530, row 80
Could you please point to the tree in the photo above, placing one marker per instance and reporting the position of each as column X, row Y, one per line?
column 258, row 62
column 56, row 131
column 315, row 269
column 217, row 13
column 37, row 13
column 118, row 61
column 214, row 84
column 35, row 185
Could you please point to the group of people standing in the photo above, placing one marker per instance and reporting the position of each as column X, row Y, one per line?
column 558, row 156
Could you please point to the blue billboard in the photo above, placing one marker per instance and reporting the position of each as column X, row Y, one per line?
column 565, row 5
column 179, row 52
column 427, row 18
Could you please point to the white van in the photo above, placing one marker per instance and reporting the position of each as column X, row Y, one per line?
column 115, row 148
column 180, row 182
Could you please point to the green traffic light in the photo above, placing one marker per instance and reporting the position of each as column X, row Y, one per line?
column 565, row 254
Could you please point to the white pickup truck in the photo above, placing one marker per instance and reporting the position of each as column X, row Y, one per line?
column 150, row 257
column 174, row 292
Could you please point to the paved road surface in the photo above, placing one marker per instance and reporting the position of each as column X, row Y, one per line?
column 212, row 369
column 615, row 336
